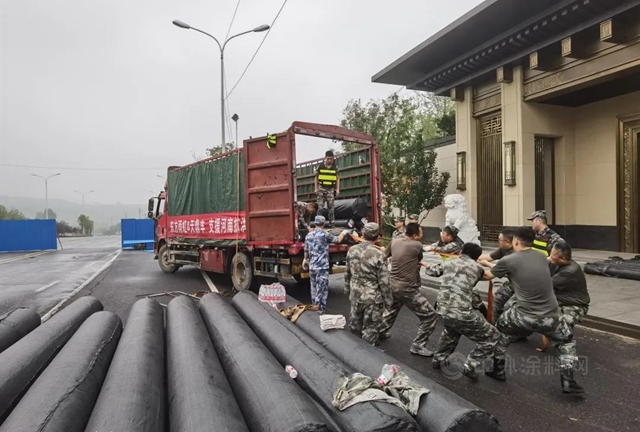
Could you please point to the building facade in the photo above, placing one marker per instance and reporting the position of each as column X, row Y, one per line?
column 547, row 114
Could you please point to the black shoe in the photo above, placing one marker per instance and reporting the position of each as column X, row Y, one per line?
column 498, row 372
column 384, row 336
column 436, row 364
column 569, row 385
column 470, row 373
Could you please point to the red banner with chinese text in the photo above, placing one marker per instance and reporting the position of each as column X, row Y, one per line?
column 217, row 226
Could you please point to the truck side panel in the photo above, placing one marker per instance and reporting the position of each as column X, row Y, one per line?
column 269, row 190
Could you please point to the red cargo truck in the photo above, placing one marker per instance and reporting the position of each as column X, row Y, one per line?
column 235, row 212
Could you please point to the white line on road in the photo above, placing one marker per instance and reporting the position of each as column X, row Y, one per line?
column 55, row 309
column 47, row 286
column 209, row 282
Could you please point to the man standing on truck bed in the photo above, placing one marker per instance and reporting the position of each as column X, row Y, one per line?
column 327, row 185
column 316, row 258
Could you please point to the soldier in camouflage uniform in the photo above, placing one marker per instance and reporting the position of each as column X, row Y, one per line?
column 306, row 212
column 456, row 307
column 534, row 309
column 406, row 254
column 400, row 228
column 366, row 281
column 449, row 241
column 545, row 236
column 316, row 259
column 327, row 185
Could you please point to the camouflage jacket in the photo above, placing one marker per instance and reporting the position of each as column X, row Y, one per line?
column 550, row 237
column 397, row 233
column 456, row 295
column 455, row 247
column 304, row 218
column 366, row 278
column 316, row 244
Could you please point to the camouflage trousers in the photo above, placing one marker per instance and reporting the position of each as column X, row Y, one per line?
column 365, row 320
column 515, row 323
column 319, row 287
column 326, row 198
column 500, row 298
column 475, row 328
column 573, row 314
column 419, row 305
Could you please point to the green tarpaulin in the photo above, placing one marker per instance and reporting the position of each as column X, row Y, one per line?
column 210, row 187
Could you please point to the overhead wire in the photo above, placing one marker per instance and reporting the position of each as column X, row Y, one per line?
column 232, row 19
column 79, row 169
column 258, row 49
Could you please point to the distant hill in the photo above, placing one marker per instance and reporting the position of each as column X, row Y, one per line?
column 104, row 215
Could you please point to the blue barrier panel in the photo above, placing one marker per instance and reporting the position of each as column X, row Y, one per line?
column 28, row 235
column 135, row 232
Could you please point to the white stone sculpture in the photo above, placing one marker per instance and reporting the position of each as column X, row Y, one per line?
column 459, row 217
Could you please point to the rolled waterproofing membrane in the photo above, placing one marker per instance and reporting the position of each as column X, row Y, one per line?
column 16, row 324
column 132, row 398
column 441, row 410
column 270, row 399
column 318, row 370
column 200, row 397
column 62, row 397
column 21, row 363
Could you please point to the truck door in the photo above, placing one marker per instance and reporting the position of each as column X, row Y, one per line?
column 269, row 179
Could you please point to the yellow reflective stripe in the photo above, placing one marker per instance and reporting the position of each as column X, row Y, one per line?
column 540, row 243
column 327, row 177
column 542, row 251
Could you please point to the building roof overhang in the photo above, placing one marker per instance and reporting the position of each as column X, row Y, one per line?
column 496, row 33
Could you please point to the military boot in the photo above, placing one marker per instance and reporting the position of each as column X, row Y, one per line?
column 497, row 372
column 569, row 385
column 470, row 373
column 421, row 351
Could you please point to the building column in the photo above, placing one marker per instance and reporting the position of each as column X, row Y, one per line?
column 466, row 141
column 518, row 200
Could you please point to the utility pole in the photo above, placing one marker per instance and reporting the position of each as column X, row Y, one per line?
column 46, row 192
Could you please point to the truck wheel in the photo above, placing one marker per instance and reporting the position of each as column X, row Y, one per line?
column 163, row 260
column 241, row 272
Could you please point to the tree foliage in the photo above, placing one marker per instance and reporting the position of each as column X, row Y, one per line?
column 63, row 229
column 214, row 151
column 401, row 125
column 42, row 215
column 11, row 214
column 112, row 230
column 86, row 224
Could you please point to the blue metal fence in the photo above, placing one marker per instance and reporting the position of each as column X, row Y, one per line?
column 137, row 232
column 27, row 235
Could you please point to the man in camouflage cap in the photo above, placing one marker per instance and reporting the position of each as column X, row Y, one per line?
column 413, row 218
column 546, row 238
column 366, row 281
column 456, row 301
column 400, row 227
column 449, row 241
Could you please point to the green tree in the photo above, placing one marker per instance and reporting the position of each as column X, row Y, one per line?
column 11, row 214
column 42, row 215
column 214, row 151
column 447, row 124
column 86, row 224
column 400, row 125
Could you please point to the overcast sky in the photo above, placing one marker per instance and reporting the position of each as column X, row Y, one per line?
column 113, row 84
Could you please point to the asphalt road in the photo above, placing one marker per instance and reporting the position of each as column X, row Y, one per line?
column 42, row 280
column 530, row 400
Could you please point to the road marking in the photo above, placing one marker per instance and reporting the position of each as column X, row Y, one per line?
column 209, row 282
column 55, row 309
column 31, row 255
column 47, row 286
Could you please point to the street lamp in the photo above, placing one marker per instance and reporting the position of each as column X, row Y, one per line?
column 222, row 46
column 46, row 192
column 235, row 118
column 83, row 194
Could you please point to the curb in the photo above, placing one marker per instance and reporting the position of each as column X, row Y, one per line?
column 589, row 321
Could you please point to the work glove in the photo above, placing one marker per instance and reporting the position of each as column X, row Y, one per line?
column 305, row 264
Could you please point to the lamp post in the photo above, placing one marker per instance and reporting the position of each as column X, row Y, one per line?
column 46, row 192
column 83, row 194
column 222, row 46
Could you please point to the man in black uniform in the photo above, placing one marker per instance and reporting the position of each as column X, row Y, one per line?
column 545, row 236
column 327, row 185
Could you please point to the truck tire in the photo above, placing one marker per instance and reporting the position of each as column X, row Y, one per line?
column 242, row 272
column 163, row 260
